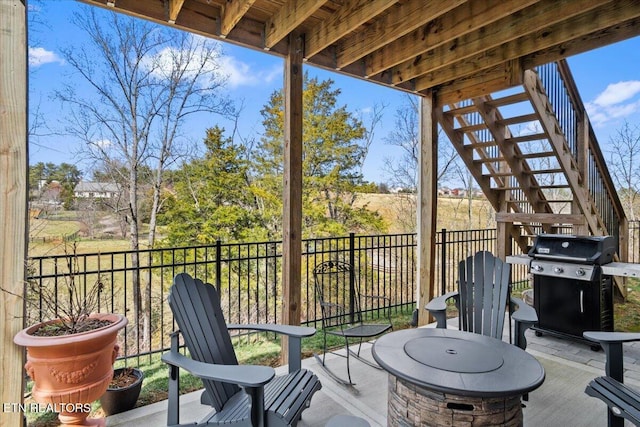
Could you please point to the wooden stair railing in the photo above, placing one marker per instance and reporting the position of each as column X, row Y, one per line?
column 550, row 178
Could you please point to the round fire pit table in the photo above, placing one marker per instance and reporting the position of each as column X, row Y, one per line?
column 450, row 377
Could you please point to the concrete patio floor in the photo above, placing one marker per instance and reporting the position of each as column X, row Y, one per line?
column 560, row 401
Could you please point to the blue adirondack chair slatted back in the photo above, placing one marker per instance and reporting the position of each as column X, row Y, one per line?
column 196, row 310
column 483, row 286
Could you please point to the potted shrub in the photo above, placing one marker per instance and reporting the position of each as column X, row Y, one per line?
column 123, row 391
column 70, row 357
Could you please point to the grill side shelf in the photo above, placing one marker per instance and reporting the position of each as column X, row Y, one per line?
column 626, row 269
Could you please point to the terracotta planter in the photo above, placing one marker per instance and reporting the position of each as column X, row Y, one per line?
column 117, row 400
column 71, row 371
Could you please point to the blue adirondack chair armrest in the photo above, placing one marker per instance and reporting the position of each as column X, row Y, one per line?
column 242, row 375
column 295, row 334
column 611, row 337
column 438, row 308
column 289, row 330
column 524, row 316
column 612, row 342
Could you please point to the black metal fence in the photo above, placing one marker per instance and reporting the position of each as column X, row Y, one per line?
column 248, row 276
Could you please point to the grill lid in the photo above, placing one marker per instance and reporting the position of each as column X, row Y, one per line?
column 576, row 249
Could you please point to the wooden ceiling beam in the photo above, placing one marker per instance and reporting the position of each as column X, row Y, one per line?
column 155, row 11
column 399, row 21
column 545, row 37
column 606, row 36
column 490, row 80
column 288, row 18
column 507, row 29
column 352, row 15
column 232, row 12
column 466, row 18
column 174, row 10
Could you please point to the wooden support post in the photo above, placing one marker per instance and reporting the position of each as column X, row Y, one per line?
column 504, row 246
column 582, row 161
column 427, row 204
column 292, row 197
column 13, row 200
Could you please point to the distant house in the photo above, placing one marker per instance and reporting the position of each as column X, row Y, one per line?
column 96, row 190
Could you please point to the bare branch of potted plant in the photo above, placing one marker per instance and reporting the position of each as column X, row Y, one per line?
column 70, row 354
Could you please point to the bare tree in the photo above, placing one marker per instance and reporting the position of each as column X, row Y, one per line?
column 139, row 82
column 402, row 170
column 625, row 166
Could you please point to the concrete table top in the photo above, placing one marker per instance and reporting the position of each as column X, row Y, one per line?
column 458, row 362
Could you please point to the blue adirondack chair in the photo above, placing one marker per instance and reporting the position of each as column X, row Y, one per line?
column 481, row 299
column 240, row 395
column 622, row 401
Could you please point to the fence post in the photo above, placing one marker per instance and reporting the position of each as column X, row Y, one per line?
column 443, row 260
column 352, row 260
column 218, row 265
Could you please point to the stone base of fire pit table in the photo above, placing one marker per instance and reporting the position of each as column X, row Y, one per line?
column 412, row 405
column 445, row 377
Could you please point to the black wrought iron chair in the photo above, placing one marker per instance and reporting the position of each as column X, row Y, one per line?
column 483, row 291
column 622, row 401
column 348, row 313
column 240, row 395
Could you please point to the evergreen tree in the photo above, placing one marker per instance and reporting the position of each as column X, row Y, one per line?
column 334, row 147
column 211, row 198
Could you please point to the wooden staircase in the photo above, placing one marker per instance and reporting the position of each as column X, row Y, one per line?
column 533, row 153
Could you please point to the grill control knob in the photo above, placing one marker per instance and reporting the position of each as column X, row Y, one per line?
column 537, row 267
column 558, row 270
column 580, row 272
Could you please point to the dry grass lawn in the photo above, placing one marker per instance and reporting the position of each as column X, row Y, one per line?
column 454, row 213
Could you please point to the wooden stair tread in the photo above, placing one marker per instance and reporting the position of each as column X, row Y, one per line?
column 525, row 118
column 472, row 128
column 510, row 99
column 538, row 155
column 527, row 138
column 459, row 111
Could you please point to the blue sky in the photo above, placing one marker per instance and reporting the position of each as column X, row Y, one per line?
column 608, row 80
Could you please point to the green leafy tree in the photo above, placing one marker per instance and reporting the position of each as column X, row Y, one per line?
column 41, row 175
column 211, row 198
column 335, row 144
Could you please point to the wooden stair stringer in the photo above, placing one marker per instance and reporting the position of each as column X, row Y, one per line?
column 513, row 156
column 493, row 195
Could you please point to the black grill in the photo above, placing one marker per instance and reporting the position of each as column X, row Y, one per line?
column 571, row 295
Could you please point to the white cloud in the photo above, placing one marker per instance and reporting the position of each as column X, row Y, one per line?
column 102, row 143
column 239, row 73
column 616, row 93
column 236, row 72
column 39, row 56
column 615, row 102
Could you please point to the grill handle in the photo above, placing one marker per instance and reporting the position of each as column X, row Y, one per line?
column 561, row 258
column 581, row 301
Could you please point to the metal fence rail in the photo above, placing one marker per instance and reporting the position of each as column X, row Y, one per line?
column 248, row 277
